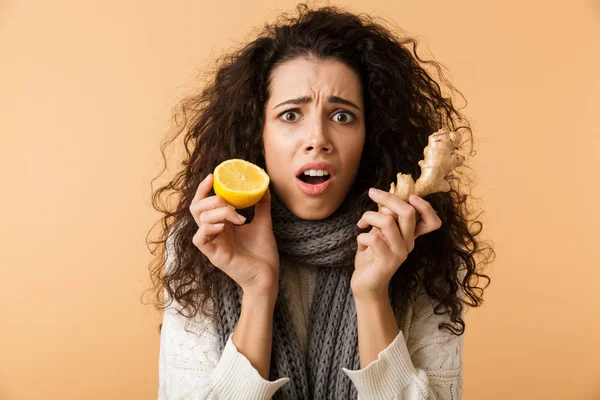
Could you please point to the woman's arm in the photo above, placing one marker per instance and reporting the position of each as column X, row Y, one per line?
column 377, row 326
column 253, row 335
column 191, row 366
column 427, row 366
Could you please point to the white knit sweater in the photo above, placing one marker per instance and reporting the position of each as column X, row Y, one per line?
column 422, row 362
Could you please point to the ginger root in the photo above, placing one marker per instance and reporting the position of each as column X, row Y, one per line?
column 441, row 157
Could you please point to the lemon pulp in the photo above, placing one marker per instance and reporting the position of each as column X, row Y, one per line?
column 241, row 183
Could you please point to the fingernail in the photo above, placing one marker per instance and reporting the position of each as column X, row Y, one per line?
column 414, row 198
column 373, row 191
column 242, row 218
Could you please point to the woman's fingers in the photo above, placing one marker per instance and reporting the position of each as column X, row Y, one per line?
column 209, row 203
column 221, row 214
column 386, row 224
column 429, row 219
column 201, row 202
column 213, row 229
column 203, row 188
column 206, row 233
column 374, row 241
column 201, row 205
column 213, row 221
column 424, row 220
column 406, row 214
column 210, row 214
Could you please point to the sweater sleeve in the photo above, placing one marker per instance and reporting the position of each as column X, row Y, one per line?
column 426, row 366
column 191, row 368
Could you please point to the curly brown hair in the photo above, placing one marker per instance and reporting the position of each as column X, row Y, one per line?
column 403, row 106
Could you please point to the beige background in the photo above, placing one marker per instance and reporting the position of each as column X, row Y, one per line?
column 86, row 92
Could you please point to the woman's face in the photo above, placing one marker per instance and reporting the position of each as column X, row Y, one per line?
column 314, row 114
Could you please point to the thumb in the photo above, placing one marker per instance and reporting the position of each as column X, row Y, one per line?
column 262, row 209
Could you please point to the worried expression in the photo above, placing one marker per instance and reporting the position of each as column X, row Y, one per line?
column 313, row 135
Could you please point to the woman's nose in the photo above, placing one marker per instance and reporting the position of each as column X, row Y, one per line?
column 317, row 141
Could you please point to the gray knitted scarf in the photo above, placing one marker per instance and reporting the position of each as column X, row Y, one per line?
column 331, row 245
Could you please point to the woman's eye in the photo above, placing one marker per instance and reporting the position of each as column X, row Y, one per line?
column 346, row 117
column 290, row 116
column 343, row 117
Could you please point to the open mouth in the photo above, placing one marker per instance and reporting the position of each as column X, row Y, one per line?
column 314, row 180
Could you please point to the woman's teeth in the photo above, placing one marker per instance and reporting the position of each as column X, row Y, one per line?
column 316, row 172
column 314, row 176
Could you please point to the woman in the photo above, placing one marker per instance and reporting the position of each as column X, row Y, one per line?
column 313, row 293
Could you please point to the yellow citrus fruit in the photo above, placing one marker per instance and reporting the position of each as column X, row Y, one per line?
column 241, row 183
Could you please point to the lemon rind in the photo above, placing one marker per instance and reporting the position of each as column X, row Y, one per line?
column 262, row 190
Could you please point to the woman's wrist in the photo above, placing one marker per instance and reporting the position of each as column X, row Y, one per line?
column 253, row 333
column 265, row 288
column 259, row 297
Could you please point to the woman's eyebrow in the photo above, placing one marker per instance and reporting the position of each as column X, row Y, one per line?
column 308, row 99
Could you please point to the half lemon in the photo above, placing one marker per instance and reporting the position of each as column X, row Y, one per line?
column 241, row 183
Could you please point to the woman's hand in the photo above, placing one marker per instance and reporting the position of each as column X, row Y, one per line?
column 386, row 246
column 247, row 253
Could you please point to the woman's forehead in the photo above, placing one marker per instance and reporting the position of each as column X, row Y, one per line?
column 301, row 77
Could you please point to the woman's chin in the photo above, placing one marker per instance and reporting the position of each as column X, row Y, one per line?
column 313, row 209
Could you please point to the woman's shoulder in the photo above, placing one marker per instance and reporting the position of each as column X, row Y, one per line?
column 181, row 318
column 422, row 305
column 187, row 343
column 422, row 324
column 173, row 310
